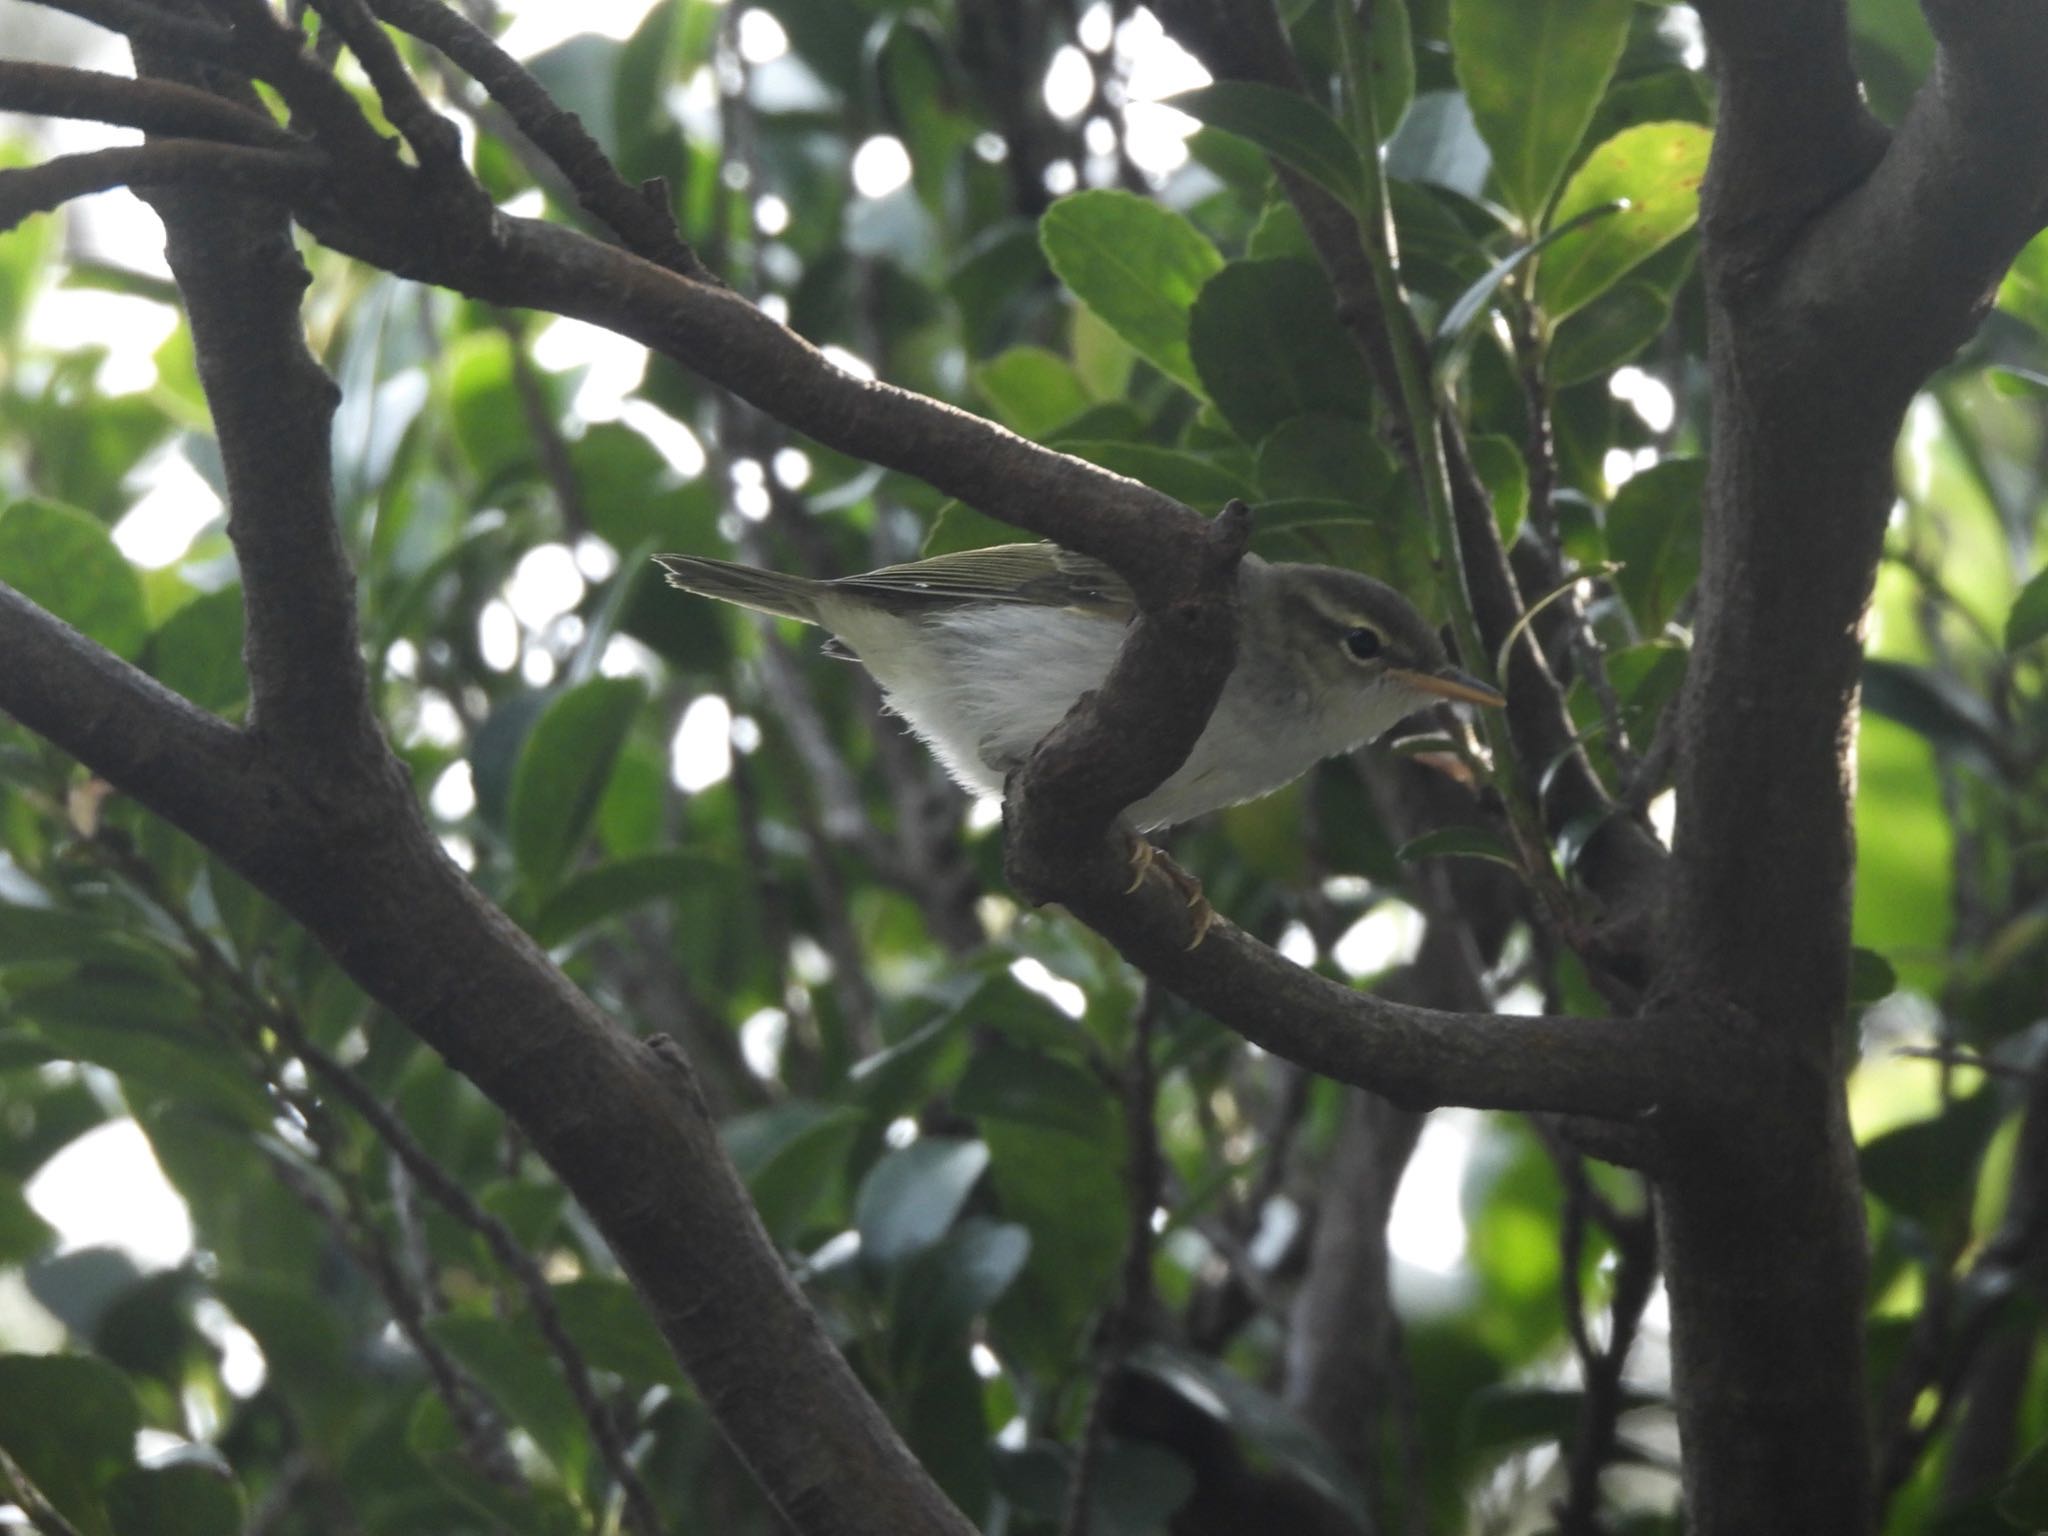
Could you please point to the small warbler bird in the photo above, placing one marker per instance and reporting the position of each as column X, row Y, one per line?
column 983, row 652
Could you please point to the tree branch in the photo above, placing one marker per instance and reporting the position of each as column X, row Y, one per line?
column 190, row 767
column 640, row 217
column 1909, row 259
column 270, row 173
column 161, row 107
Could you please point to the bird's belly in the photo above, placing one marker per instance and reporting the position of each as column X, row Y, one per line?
column 982, row 686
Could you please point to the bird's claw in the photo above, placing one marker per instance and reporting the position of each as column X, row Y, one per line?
column 1145, row 858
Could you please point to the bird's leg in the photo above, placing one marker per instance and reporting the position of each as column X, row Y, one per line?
column 1144, row 858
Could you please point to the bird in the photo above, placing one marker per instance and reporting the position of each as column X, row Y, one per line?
column 983, row 651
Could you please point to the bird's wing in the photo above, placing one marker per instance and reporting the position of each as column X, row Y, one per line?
column 1041, row 574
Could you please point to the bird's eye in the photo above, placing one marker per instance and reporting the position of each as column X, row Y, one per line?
column 1363, row 643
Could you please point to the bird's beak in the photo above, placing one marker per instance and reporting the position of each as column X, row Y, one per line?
column 1450, row 683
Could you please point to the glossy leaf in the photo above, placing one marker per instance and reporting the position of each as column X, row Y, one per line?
column 607, row 890
column 562, row 770
column 1265, row 338
column 64, row 560
column 2028, row 620
column 1653, row 172
column 1032, row 389
column 1459, row 843
column 198, row 651
column 190, row 1499
column 1260, row 1421
column 1286, row 125
column 1533, row 71
column 1137, row 265
column 912, row 1195
column 1653, row 532
column 1607, row 332
column 69, row 1422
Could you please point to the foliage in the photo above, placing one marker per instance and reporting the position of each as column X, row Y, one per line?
column 929, row 1091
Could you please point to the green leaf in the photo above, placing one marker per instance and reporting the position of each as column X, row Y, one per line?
column 69, row 1422
column 793, row 1156
column 1654, row 171
column 2028, row 620
column 1265, row 337
column 911, row 1196
column 1533, row 71
column 1137, row 265
column 1200, row 482
column 1871, row 977
column 1286, row 125
column 23, row 1234
column 1457, row 326
column 1331, row 458
column 185, row 1499
column 1653, row 531
column 1607, row 332
column 1505, row 474
column 197, row 651
column 146, row 1033
column 1033, row 389
column 1031, row 1088
column 533, row 1509
column 562, row 771
column 1927, row 1170
column 510, row 1362
column 1932, row 703
column 590, row 896
column 1390, row 67
column 64, row 560
column 1259, row 1420
column 2024, row 1499
column 957, row 1279
column 1459, row 843
column 631, row 493
column 484, row 406
column 958, row 526
column 606, row 1320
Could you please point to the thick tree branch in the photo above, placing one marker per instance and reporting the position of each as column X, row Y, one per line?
column 241, row 279
column 1791, row 134
column 124, row 725
column 161, row 107
column 273, row 173
column 1963, row 186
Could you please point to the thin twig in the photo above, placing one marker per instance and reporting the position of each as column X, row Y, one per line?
column 504, row 1247
column 433, row 138
column 42, row 1514
column 640, row 217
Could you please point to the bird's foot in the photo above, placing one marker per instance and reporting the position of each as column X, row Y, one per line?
column 1145, row 858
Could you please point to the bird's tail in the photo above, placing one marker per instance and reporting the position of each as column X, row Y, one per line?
column 787, row 597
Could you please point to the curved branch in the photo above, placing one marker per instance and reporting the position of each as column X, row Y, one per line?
column 188, row 766
column 1791, row 133
column 1420, row 1058
column 641, row 218
column 159, row 106
column 1909, row 259
column 268, row 173
column 151, row 26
